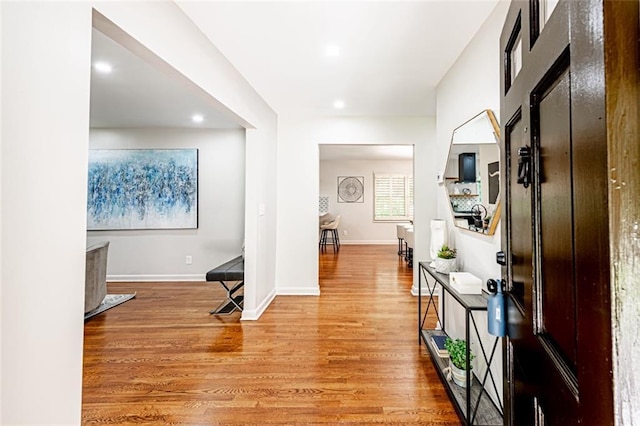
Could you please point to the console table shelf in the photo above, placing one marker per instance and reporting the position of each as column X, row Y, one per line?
column 472, row 403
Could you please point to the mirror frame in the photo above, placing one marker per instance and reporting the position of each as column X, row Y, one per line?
column 491, row 227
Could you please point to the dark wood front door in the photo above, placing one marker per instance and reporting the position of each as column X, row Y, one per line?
column 555, row 234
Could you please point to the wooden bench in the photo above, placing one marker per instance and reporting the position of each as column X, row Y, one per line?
column 225, row 274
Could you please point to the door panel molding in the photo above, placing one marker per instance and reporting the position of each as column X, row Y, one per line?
column 569, row 376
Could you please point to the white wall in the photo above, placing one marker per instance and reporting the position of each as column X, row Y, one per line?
column 357, row 218
column 1, row 127
column 45, row 134
column 260, row 221
column 159, row 255
column 44, row 169
column 298, row 185
column 471, row 85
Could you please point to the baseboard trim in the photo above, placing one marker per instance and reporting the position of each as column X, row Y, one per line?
column 425, row 291
column 368, row 242
column 255, row 314
column 298, row 291
column 156, row 278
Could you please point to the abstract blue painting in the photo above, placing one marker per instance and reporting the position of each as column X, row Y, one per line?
column 142, row 189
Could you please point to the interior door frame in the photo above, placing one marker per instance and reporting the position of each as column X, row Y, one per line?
column 622, row 60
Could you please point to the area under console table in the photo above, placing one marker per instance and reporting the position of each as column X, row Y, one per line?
column 472, row 403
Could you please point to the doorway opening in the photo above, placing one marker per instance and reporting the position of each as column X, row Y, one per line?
column 369, row 188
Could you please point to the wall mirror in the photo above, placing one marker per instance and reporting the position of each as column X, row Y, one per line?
column 472, row 174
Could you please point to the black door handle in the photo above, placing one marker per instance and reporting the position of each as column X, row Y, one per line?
column 524, row 166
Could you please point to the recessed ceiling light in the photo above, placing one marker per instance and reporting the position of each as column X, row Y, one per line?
column 332, row 50
column 103, row 67
column 197, row 118
column 338, row 104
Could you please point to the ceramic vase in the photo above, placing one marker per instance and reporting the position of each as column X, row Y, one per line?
column 445, row 266
column 459, row 375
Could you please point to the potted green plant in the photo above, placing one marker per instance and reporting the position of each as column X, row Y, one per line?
column 458, row 360
column 446, row 261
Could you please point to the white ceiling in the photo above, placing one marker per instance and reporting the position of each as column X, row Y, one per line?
column 137, row 94
column 392, row 56
column 393, row 53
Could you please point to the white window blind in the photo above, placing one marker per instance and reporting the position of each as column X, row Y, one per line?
column 393, row 197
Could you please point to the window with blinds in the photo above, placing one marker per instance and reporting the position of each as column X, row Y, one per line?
column 393, row 197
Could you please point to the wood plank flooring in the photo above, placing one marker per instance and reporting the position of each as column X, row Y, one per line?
column 350, row 356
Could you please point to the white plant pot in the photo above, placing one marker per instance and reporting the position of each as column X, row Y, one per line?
column 446, row 266
column 459, row 376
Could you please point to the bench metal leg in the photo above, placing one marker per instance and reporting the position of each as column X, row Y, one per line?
column 232, row 303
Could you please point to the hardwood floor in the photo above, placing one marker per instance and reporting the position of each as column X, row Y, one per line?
column 350, row 356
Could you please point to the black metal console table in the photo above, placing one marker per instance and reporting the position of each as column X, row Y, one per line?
column 472, row 403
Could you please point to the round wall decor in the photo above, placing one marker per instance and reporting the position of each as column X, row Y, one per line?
column 351, row 189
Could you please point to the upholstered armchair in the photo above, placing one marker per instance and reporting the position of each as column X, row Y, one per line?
column 96, row 276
